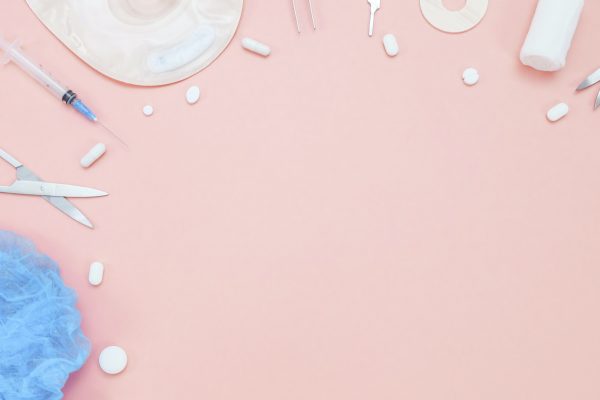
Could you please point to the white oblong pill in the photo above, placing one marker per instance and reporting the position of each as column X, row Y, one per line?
column 256, row 47
column 148, row 110
column 470, row 76
column 192, row 95
column 557, row 112
column 113, row 360
column 96, row 273
column 93, row 155
column 390, row 44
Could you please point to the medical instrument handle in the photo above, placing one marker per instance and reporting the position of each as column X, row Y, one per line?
column 10, row 159
column 13, row 53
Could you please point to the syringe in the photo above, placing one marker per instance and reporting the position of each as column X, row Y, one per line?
column 12, row 52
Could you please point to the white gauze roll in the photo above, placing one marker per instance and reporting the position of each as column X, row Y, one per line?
column 550, row 34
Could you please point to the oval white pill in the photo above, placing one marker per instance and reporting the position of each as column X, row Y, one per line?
column 470, row 76
column 113, row 360
column 96, row 273
column 557, row 112
column 93, row 155
column 390, row 44
column 148, row 110
column 192, row 95
column 256, row 47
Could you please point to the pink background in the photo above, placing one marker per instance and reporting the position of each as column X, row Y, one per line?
column 328, row 223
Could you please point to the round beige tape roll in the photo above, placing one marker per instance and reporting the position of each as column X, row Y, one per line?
column 450, row 21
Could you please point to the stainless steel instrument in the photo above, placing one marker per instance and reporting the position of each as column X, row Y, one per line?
column 591, row 80
column 312, row 15
column 28, row 183
column 375, row 5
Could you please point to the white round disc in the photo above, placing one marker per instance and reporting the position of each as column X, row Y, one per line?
column 113, row 360
column 148, row 110
column 470, row 76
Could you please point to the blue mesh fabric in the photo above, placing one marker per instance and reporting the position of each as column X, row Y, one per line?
column 41, row 341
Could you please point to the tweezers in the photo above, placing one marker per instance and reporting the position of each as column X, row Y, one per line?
column 312, row 15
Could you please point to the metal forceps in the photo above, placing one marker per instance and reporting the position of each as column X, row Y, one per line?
column 28, row 183
column 312, row 15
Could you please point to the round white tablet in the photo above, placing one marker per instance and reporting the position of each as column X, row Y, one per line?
column 192, row 95
column 148, row 110
column 113, row 360
column 470, row 76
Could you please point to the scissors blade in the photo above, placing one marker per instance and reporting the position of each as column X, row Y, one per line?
column 590, row 80
column 39, row 188
column 62, row 204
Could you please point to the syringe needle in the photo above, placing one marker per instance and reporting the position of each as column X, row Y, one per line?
column 114, row 135
column 12, row 52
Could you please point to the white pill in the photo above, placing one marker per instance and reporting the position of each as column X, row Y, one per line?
column 93, row 155
column 148, row 110
column 192, row 95
column 113, row 360
column 470, row 76
column 557, row 112
column 256, row 47
column 390, row 44
column 96, row 273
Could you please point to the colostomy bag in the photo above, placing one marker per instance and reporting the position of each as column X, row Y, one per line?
column 143, row 42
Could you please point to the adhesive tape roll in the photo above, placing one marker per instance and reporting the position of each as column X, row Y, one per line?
column 450, row 21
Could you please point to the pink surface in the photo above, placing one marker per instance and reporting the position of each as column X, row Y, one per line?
column 328, row 223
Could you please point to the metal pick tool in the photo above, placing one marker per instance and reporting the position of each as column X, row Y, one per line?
column 312, row 15
column 375, row 5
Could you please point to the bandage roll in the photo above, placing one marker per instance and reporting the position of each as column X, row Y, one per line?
column 550, row 35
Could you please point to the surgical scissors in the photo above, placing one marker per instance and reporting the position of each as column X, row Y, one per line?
column 28, row 183
column 591, row 80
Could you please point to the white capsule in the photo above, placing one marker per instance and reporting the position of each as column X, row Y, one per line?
column 470, row 76
column 391, row 45
column 557, row 112
column 93, row 155
column 113, row 360
column 256, row 47
column 192, row 95
column 148, row 110
column 96, row 273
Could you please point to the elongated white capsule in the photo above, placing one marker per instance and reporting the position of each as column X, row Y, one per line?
column 557, row 112
column 391, row 45
column 93, row 155
column 96, row 273
column 256, row 47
